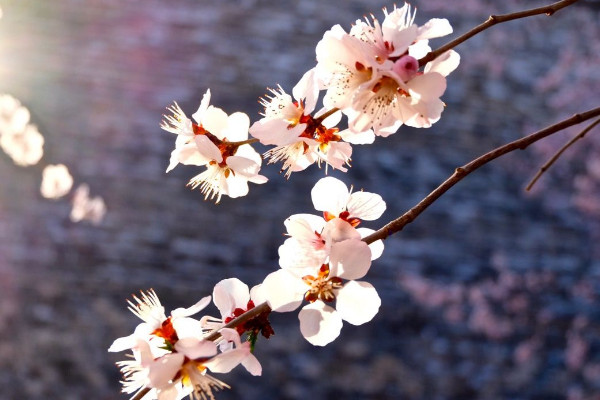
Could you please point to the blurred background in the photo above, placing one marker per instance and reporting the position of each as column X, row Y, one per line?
column 492, row 293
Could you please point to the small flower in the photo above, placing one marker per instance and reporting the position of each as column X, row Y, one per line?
column 25, row 147
column 85, row 207
column 56, row 181
column 13, row 116
column 217, row 141
column 356, row 302
column 300, row 138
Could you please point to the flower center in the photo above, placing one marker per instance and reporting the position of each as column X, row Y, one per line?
column 322, row 286
column 167, row 331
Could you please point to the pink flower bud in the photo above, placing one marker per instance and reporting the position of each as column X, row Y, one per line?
column 406, row 67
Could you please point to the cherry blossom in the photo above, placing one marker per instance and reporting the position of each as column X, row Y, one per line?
column 25, row 147
column 356, row 302
column 233, row 298
column 299, row 138
column 85, row 207
column 13, row 116
column 217, row 141
column 372, row 73
column 56, row 181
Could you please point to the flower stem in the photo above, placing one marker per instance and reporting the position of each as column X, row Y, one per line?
column 327, row 114
column 491, row 21
column 552, row 160
column 461, row 172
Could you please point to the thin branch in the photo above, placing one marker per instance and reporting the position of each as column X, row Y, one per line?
column 243, row 142
column 461, row 172
column 559, row 153
column 493, row 20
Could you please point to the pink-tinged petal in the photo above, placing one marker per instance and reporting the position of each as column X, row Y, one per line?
column 376, row 247
column 230, row 294
column 225, row 362
column 252, row 365
column 337, row 155
column 429, row 112
column 247, row 151
column 435, row 27
column 276, row 132
column 231, row 335
column 366, row 137
column 164, row 369
column 338, row 230
column 194, row 348
column 308, row 90
column 188, row 154
column 319, row 323
column 357, row 302
column 196, row 308
column 427, row 86
column 304, row 226
column 284, row 291
column 350, row 259
column 400, row 39
column 237, row 127
column 444, row 64
column 234, row 186
column 366, row 206
column 296, row 256
column 198, row 115
column 243, row 166
column 207, row 148
column 170, row 392
column 215, row 121
column 330, row 194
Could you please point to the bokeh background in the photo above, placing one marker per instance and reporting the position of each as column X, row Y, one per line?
column 492, row 293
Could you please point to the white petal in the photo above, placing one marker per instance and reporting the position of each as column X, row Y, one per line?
column 295, row 255
column 330, row 194
column 350, row 259
column 252, row 365
column 215, row 121
column 284, row 291
column 230, row 294
column 187, row 327
column 319, row 323
column 257, row 295
column 304, row 226
column 366, row 137
column 365, row 205
column 242, row 166
column 276, row 132
column 444, row 64
column 193, row 348
column 427, row 86
column 308, row 90
column 338, row 230
column 435, row 27
column 237, row 127
column 203, row 107
column 123, row 343
column 376, row 247
column 196, row 308
column 357, row 302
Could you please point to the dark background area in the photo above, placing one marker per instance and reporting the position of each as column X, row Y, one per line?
column 492, row 293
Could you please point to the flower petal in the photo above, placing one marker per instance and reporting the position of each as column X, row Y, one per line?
column 376, row 247
column 196, row 308
column 230, row 294
column 283, row 290
column 365, row 205
column 357, row 302
column 330, row 194
column 350, row 259
column 320, row 324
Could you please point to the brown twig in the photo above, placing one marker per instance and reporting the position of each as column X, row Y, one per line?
column 491, row 21
column 461, row 172
column 555, row 157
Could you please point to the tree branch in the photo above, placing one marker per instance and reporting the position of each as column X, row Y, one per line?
column 491, row 21
column 552, row 160
column 461, row 172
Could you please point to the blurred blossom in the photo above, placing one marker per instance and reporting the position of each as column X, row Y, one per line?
column 56, row 181
column 24, row 147
column 86, row 207
column 13, row 116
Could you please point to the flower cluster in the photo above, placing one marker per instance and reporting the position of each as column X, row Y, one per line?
column 371, row 75
column 173, row 354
